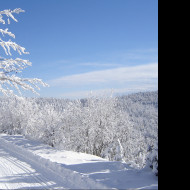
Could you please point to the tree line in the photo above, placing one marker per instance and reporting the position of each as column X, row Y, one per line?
column 117, row 128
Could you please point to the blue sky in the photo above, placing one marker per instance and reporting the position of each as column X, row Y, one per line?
column 78, row 46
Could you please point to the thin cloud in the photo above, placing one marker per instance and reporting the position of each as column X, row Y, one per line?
column 97, row 64
column 108, row 92
column 121, row 75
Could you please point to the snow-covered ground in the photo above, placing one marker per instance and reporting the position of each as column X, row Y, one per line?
column 28, row 164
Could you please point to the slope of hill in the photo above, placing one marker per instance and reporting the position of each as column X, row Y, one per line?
column 116, row 128
column 29, row 164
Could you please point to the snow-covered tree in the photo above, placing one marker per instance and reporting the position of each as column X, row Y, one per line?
column 96, row 125
column 152, row 159
column 9, row 67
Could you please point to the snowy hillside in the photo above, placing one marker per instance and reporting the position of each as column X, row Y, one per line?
column 29, row 164
column 116, row 128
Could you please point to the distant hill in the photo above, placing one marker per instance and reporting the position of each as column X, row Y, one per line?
column 145, row 98
column 143, row 111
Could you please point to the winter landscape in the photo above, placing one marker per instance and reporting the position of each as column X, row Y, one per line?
column 92, row 121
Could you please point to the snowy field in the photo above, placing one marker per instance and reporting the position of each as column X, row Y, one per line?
column 27, row 164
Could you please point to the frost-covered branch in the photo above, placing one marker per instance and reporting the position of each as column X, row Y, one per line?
column 16, row 82
column 9, row 13
column 9, row 68
column 3, row 32
column 9, row 44
column 13, row 65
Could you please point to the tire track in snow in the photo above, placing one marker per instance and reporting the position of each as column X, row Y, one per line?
column 28, row 171
column 15, row 174
column 59, row 177
column 8, row 172
column 4, row 185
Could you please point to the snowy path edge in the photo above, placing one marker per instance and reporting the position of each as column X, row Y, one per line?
column 63, row 174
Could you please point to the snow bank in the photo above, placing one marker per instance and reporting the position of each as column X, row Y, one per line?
column 81, row 170
column 69, row 177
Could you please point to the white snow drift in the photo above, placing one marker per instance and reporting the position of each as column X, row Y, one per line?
column 30, row 164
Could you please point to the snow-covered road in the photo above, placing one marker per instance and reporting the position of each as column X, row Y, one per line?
column 17, row 172
column 21, row 169
column 28, row 164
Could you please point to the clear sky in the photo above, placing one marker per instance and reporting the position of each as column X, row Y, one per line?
column 78, row 46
